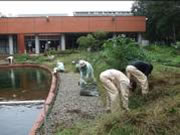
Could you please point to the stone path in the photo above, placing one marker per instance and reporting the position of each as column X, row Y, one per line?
column 69, row 107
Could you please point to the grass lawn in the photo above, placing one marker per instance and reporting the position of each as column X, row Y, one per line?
column 156, row 114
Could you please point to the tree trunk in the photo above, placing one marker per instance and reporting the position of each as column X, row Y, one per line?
column 174, row 34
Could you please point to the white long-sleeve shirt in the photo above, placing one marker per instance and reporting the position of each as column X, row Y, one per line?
column 86, row 73
column 116, row 76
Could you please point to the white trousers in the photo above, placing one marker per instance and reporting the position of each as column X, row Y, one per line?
column 136, row 75
column 114, row 93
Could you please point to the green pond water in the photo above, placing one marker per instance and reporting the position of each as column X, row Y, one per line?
column 24, row 84
column 21, row 84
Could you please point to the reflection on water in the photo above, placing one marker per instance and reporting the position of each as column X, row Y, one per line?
column 21, row 84
column 18, row 120
column 24, row 84
column 12, row 78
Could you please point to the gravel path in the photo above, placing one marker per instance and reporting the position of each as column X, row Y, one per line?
column 69, row 107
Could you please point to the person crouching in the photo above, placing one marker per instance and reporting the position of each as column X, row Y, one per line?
column 87, row 80
column 10, row 59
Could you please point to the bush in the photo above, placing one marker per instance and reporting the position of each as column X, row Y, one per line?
column 177, row 46
column 119, row 51
column 92, row 41
column 22, row 58
column 86, row 41
column 162, row 54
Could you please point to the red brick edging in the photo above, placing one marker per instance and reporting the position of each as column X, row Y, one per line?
column 54, row 81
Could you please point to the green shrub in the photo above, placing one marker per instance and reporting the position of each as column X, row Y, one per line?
column 22, row 58
column 68, row 51
column 178, row 45
column 92, row 41
column 119, row 51
column 86, row 41
column 166, row 55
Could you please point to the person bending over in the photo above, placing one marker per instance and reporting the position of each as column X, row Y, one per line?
column 86, row 72
column 138, row 72
column 117, row 85
column 87, row 79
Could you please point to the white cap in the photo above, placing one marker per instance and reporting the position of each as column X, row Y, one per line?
column 82, row 63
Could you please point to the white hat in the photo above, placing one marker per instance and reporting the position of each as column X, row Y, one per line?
column 82, row 63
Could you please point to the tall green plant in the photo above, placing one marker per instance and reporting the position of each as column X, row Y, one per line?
column 100, row 37
column 119, row 51
column 86, row 41
column 92, row 41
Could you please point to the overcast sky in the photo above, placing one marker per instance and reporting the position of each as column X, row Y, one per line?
column 58, row 7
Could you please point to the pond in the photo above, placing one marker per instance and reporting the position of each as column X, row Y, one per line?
column 22, row 92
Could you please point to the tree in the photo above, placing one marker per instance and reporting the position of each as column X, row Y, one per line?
column 93, row 41
column 100, row 37
column 86, row 41
column 163, row 19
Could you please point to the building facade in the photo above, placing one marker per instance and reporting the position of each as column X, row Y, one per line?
column 35, row 34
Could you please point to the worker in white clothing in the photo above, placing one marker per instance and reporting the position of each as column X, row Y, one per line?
column 86, row 72
column 87, row 80
column 10, row 59
column 117, row 86
column 59, row 67
column 138, row 72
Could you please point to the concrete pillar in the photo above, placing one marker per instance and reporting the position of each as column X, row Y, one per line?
column 139, row 38
column 63, row 44
column 11, row 45
column 36, row 44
